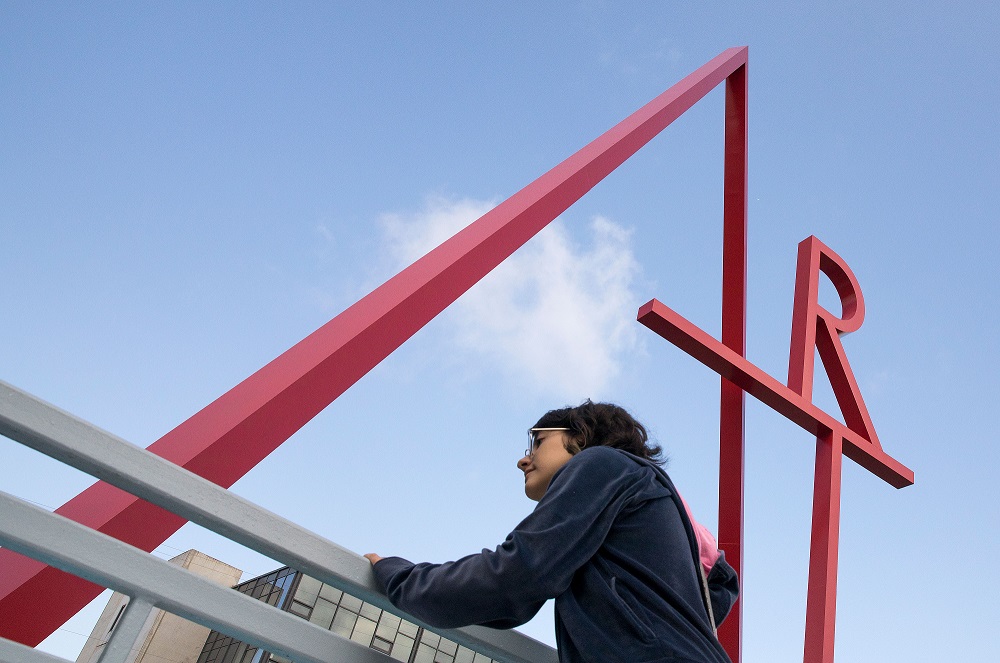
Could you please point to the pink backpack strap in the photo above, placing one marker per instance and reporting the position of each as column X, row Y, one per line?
column 708, row 547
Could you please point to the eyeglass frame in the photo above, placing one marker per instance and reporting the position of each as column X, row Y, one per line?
column 533, row 439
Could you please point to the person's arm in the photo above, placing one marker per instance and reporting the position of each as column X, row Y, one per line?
column 723, row 588
column 506, row 587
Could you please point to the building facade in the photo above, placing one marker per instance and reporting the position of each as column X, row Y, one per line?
column 165, row 637
column 342, row 613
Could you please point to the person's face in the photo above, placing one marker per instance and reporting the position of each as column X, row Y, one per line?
column 549, row 454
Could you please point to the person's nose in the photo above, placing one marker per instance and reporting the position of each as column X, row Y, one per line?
column 523, row 463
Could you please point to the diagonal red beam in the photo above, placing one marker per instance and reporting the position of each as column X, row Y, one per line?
column 673, row 327
column 227, row 438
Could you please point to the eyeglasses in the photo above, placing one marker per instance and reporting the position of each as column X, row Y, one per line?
column 533, row 439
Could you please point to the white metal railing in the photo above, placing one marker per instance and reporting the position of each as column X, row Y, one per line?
column 155, row 583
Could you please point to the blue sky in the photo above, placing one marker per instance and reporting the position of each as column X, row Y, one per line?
column 190, row 190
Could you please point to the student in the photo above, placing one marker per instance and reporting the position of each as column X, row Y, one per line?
column 609, row 540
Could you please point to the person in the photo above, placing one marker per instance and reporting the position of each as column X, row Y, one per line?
column 610, row 540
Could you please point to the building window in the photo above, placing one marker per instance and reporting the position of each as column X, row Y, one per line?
column 121, row 610
column 345, row 615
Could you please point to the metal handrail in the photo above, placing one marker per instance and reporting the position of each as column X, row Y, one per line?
column 153, row 582
column 15, row 652
column 64, row 437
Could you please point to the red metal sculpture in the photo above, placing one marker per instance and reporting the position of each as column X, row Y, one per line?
column 813, row 328
column 230, row 436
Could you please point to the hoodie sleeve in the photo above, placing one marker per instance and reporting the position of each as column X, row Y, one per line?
column 505, row 587
column 723, row 587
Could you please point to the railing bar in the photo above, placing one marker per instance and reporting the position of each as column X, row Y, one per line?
column 15, row 652
column 127, row 632
column 81, row 551
column 56, row 433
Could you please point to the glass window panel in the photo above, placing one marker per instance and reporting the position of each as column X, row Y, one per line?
column 387, row 628
column 448, row 647
column 343, row 622
column 402, row 647
column 430, row 638
column 239, row 652
column 307, row 590
column 408, row 628
column 384, row 646
column 351, row 602
column 280, row 659
column 331, row 594
column 364, row 629
column 231, row 652
column 284, row 584
column 464, row 655
column 370, row 611
column 322, row 614
column 300, row 609
column 483, row 658
column 362, row 637
column 441, row 657
column 425, row 654
column 248, row 656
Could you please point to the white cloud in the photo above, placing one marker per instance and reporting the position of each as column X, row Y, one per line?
column 411, row 236
column 556, row 315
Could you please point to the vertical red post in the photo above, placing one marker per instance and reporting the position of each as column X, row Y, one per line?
column 821, row 601
column 734, row 306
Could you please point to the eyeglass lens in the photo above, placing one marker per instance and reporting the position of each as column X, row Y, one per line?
column 533, row 440
column 532, row 444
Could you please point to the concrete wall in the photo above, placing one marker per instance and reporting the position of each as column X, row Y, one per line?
column 165, row 637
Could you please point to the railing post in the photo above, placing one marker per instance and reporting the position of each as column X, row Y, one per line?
column 127, row 631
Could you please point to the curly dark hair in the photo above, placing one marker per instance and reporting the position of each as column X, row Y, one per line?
column 602, row 424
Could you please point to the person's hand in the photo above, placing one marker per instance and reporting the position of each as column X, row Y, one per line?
column 373, row 558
